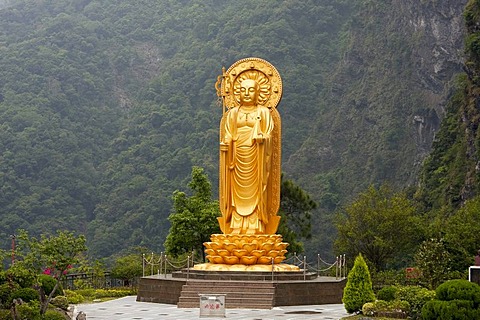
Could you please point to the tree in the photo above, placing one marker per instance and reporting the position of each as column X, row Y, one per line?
column 54, row 254
column 358, row 289
column 380, row 224
column 194, row 218
column 295, row 210
column 127, row 268
column 433, row 260
column 462, row 233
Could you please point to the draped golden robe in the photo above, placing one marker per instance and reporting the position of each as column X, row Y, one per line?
column 248, row 195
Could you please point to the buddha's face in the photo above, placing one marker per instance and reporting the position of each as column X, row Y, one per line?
column 248, row 92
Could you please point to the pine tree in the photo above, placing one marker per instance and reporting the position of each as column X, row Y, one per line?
column 358, row 290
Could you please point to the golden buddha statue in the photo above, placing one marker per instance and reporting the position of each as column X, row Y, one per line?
column 250, row 150
column 249, row 172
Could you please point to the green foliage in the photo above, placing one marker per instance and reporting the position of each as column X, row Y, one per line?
column 358, row 289
column 462, row 234
column 53, row 315
column 74, row 297
column 296, row 211
column 5, row 314
column 60, row 302
column 5, row 292
column 20, row 274
column 389, row 277
column 459, row 290
column 106, row 105
column 455, row 299
column 416, row 297
column 380, row 224
column 195, row 217
column 450, row 310
column 390, row 309
column 26, row 294
column 433, row 260
column 83, row 295
column 387, row 293
column 127, row 267
column 56, row 252
column 30, row 311
column 48, row 283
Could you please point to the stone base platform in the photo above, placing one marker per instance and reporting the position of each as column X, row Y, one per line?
column 193, row 274
column 242, row 289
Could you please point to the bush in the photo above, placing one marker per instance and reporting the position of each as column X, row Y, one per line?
column 457, row 299
column 60, row 302
column 5, row 314
column 387, row 293
column 450, row 310
column 30, row 311
column 74, row 297
column 459, row 290
column 381, row 308
column 48, row 283
column 26, row 294
column 416, row 297
column 388, row 278
column 358, row 289
column 5, row 293
column 53, row 315
column 368, row 309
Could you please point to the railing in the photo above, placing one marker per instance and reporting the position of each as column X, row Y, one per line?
column 94, row 280
column 162, row 264
column 322, row 268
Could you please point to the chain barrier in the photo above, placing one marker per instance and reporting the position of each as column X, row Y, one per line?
column 164, row 265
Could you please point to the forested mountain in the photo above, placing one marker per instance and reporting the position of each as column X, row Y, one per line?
column 451, row 174
column 105, row 105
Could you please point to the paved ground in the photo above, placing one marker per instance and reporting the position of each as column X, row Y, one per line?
column 129, row 309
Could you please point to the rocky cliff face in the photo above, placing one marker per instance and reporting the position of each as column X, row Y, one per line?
column 387, row 97
column 437, row 57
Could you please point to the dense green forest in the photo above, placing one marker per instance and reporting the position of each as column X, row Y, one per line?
column 107, row 105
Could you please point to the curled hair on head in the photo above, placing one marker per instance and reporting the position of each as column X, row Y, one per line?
column 260, row 78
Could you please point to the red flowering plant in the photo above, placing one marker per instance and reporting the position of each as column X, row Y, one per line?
column 51, row 254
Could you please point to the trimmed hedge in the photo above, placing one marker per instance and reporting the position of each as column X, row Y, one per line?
column 26, row 294
column 387, row 293
column 358, row 289
column 450, row 310
column 456, row 300
column 459, row 290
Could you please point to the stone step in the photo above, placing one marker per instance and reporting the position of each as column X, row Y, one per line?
column 229, row 285
column 238, row 294
column 233, row 294
column 228, row 290
column 250, row 303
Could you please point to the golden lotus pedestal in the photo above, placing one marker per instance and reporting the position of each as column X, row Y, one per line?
column 245, row 252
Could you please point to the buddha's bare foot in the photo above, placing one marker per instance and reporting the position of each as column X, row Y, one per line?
column 235, row 231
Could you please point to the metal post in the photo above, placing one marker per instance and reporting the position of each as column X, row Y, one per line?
column 318, row 265
column 151, row 263
column 304, row 268
column 344, row 266
column 272, row 270
column 165, row 265
column 143, row 264
column 188, row 267
column 161, row 262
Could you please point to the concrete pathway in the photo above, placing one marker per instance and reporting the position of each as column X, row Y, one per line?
column 128, row 308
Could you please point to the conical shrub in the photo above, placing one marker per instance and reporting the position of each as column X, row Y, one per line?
column 358, row 289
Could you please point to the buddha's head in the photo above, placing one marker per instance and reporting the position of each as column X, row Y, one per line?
column 251, row 88
column 248, row 92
